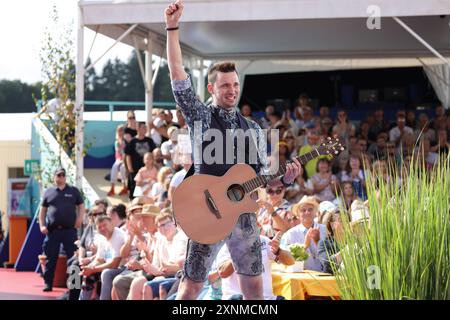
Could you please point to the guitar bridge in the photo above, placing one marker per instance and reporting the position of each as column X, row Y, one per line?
column 212, row 205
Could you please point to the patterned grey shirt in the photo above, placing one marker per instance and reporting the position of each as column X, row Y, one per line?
column 194, row 110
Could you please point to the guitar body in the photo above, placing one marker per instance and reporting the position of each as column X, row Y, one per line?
column 208, row 207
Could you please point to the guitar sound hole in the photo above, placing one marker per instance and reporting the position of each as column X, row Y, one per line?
column 236, row 192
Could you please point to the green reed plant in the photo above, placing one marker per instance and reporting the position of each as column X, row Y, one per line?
column 403, row 250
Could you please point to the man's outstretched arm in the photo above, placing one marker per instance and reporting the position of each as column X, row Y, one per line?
column 174, row 57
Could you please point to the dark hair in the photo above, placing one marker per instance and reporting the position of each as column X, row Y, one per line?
column 222, row 66
column 141, row 123
column 121, row 210
column 323, row 160
column 347, row 166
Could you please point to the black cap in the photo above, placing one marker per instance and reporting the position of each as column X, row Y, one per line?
column 60, row 170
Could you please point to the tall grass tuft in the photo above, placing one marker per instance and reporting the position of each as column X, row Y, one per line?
column 403, row 252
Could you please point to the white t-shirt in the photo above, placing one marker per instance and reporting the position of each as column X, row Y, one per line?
column 394, row 133
column 297, row 234
column 170, row 251
column 109, row 249
column 178, row 178
column 230, row 285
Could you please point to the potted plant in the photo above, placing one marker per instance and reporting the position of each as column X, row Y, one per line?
column 299, row 253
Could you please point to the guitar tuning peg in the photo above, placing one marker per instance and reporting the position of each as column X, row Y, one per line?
column 329, row 138
column 342, row 148
column 336, row 152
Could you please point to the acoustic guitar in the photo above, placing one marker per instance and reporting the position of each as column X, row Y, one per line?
column 207, row 207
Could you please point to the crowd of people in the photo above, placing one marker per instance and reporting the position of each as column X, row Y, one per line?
column 136, row 250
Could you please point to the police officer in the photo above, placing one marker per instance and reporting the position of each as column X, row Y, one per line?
column 58, row 220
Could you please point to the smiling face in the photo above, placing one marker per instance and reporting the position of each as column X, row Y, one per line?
column 225, row 90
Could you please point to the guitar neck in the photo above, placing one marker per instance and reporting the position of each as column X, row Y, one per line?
column 260, row 181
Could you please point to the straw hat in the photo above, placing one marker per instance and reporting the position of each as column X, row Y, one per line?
column 136, row 203
column 150, row 210
column 304, row 201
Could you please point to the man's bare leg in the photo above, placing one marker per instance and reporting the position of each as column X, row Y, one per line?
column 251, row 287
column 189, row 290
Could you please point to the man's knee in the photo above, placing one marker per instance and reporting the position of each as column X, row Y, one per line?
column 189, row 289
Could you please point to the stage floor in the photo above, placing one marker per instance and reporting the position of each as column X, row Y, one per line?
column 25, row 286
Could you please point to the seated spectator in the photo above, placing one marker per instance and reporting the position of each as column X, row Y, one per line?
column 178, row 177
column 346, row 197
column 265, row 122
column 168, row 147
column 364, row 129
column 378, row 150
column 343, row 128
column 158, row 127
column 324, row 112
column 274, row 214
column 145, row 177
column 168, row 258
column 159, row 187
column 325, row 207
column 246, row 111
column 379, row 124
column 423, row 128
column 296, row 192
column 140, row 242
column 312, row 143
column 306, row 117
column 355, row 174
column 442, row 145
column 327, row 127
column 407, row 144
column 328, row 250
column 396, row 134
column 87, row 246
column 118, row 166
column 230, row 279
column 118, row 215
column 308, row 233
column 107, row 260
column 171, row 260
column 291, row 142
column 425, row 156
column 324, row 183
column 158, row 158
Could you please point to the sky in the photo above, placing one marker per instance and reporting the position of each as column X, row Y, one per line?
column 22, row 27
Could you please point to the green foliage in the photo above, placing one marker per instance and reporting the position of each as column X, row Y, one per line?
column 17, row 97
column 407, row 239
column 298, row 251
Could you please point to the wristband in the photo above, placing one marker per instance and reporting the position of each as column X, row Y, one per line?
column 172, row 29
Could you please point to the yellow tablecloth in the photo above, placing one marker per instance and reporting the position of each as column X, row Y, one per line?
column 299, row 285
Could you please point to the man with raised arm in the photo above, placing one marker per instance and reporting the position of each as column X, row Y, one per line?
column 223, row 84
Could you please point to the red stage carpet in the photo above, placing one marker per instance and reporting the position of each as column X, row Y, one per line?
column 25, row 286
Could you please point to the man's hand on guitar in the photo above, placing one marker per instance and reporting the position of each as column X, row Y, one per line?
column 292, row 171
column 173, row 14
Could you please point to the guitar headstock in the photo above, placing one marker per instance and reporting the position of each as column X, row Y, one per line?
column 330, row 146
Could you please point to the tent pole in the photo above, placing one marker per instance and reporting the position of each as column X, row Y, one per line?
column 148, row 78
column 422, row 41
column 201, row 80
column 113, row 45
column 79, row 101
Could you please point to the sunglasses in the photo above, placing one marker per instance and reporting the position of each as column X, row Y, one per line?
column 131, row 118
column 168, row 223
column 61, row 175
column 277, row 191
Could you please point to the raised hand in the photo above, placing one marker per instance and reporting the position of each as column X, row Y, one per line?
column 173, row 13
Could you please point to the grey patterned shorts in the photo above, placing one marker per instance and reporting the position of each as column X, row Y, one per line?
column 244, row 246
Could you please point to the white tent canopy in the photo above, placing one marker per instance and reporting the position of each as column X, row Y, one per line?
column 267, row 36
